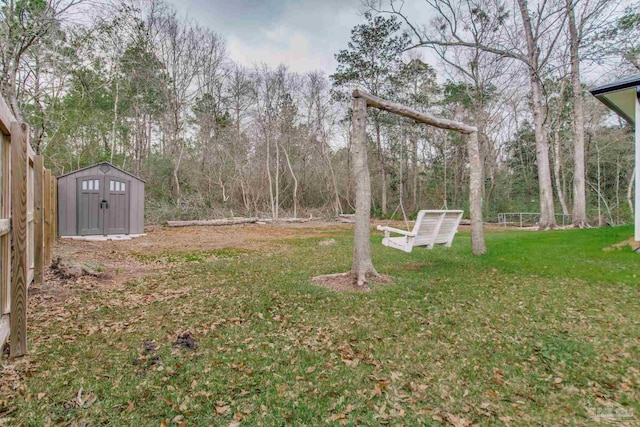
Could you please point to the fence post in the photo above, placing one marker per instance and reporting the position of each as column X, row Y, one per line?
column 54, row 206
column 47, row 217
column 38, row 219
column 19, row 267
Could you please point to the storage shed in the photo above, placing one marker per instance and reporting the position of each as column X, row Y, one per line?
column 100, row 200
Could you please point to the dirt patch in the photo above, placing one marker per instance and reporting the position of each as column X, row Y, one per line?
column 417, row 266
column 635, row 246
column 186, row 340
column 347, row 282
column 119, row 262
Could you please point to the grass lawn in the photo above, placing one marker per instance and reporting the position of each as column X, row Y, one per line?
column 544, row 329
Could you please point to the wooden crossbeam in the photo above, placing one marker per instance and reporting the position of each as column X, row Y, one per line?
column 402, row 110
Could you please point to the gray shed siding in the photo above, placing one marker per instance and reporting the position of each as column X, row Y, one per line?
column 67, row 198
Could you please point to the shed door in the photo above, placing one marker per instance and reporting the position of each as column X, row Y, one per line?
column 90, row 213
column 103, row 205
column 116, row 216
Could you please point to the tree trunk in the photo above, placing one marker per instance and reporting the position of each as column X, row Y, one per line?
column 268, row 166
column 492, row 186
column 617, row 189
column 547, row 211
column 362, row 264
column 176, row 177
column 579, row 193
column 445, row 196
column 336, row 193
column 383, row 171
column 414, row 158
column 557, row 170
column 478, row 246
column 115, row 119
column 295, row 183
column 276, row 202
column 598, row 184
column 9, row 82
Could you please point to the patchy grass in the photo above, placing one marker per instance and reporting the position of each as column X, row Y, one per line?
column 545, row 329
column 172, row 257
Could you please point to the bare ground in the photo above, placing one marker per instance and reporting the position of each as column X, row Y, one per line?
column 118, row 262
column 347, row 282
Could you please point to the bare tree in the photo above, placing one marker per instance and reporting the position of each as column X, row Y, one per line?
column 540, row 31
column 23, row 24
column 178, row 46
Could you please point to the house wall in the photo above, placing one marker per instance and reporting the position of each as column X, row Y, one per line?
column 637, row 164
column 67, row 203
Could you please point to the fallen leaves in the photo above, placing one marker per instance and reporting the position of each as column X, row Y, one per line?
column 457, row 421
column 84, row 400
column 435, row 350
column 222, row 409
column 130, row 407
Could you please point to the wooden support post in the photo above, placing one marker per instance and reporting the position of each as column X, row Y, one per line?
column 47, row 218
column 478, row 246
column 38, row 220
column 475, row 181
column 19, row 266
column 362, row 264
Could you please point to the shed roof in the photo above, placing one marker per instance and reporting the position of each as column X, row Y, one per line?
column 102, row 163
column 620, row 96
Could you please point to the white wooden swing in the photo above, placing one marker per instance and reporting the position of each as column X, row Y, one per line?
column 432, row 227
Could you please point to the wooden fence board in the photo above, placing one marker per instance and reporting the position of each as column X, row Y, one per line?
column 28, row 221
column 38, row 250
column 6, row 117
column 19, row 267
column 47, row 218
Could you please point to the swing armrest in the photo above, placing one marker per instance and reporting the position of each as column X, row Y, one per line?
column 396, row 231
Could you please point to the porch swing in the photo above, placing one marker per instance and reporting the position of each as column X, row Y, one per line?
column 432, row 227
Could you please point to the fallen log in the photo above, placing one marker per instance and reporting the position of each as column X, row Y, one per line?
column 290, row 220
column 212, row 222
column 347, row 218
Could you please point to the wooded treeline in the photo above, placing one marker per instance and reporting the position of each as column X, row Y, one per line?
column 156, row 94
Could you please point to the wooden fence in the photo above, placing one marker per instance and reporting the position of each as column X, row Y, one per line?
column 28, row 221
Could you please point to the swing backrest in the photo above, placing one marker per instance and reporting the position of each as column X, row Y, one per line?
column 436, row 227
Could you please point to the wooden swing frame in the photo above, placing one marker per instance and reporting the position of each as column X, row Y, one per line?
column 362, row 265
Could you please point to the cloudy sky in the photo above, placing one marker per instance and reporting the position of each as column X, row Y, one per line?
column 303, row 34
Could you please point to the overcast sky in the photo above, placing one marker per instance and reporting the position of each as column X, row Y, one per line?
column 303, row 34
